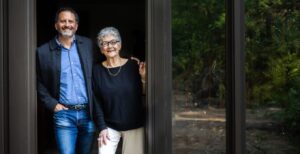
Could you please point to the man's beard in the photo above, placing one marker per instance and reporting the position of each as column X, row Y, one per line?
column 67, row 33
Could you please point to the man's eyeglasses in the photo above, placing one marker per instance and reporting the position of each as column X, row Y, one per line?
column 113, row 42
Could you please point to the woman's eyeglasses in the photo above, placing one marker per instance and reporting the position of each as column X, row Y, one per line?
column 107, row 43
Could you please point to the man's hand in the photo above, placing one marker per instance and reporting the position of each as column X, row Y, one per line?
column 59, row 107
column 136, row 59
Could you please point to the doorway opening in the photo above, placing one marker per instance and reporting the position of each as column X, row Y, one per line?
column 126, row 15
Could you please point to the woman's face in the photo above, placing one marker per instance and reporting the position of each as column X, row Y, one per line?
column 110, row 46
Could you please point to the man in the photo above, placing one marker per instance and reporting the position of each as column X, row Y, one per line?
column 64, row 69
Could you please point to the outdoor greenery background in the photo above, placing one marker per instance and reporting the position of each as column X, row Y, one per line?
column 272, row 46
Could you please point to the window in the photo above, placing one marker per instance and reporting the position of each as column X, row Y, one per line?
column 272, row 76
column 198, row 106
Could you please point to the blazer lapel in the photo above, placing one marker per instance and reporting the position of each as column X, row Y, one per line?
column 56, row 61
column 83, row 55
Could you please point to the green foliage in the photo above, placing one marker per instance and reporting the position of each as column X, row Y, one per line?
column 197, row 56
column 273, row 58
column 290, row 115
column 272, row 47
column 272, row 52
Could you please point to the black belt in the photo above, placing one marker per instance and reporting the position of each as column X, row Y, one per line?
column 77, row 106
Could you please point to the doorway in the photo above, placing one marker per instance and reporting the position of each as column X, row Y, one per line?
column 126, row 15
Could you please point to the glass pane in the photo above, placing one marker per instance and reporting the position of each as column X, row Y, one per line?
column 272, row 76
column 198, row 44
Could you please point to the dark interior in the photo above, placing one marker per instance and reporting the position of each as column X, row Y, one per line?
column 126, row 15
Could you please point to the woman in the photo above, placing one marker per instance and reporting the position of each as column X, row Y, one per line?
column 118, row 87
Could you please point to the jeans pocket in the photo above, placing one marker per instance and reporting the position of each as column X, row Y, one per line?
column 58, row 114
column 62, row 119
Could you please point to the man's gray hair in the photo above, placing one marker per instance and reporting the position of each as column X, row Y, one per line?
column 108, row 31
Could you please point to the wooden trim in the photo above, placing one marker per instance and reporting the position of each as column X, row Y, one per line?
column 21, row 95
column 159, row 68
column 3, row 77
column 235, row 78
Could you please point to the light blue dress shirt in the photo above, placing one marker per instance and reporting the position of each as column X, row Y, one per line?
column 72, row 82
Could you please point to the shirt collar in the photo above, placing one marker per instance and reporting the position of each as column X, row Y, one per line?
column 59, row 44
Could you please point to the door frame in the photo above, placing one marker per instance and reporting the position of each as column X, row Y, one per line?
column 19, row 74
column 159, row 77
column 18, row 108
column 3, row 78
column 235, row 77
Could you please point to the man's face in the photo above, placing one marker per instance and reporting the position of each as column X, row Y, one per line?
column 66, row 25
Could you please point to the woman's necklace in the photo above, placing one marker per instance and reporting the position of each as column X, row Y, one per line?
column 113, row 74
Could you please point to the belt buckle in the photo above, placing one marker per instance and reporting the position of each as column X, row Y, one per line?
column 76, row 107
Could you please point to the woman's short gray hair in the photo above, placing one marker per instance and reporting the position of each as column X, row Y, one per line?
column 112, row 31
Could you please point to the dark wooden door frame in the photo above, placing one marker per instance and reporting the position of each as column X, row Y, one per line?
column 21, row 93
column 235, row 77
column 21, row 98
column 3, row 77
column 159, row 89
column 17, row 68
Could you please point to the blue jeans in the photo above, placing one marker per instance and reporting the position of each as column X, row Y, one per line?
column 74, row 131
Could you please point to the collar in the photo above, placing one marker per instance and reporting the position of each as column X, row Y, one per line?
column 60, row 44
column 55, row 45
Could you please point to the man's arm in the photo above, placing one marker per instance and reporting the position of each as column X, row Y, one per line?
column 42, row 91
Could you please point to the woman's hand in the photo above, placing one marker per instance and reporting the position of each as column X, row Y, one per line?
column 142, row 71
column 142, row 68
column 103, row 137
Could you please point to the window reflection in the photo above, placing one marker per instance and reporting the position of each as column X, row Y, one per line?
column 272, row 76
column 198, row 38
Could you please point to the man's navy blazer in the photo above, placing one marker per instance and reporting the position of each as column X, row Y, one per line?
column 48, row 62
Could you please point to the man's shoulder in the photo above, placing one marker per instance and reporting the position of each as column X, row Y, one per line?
column 43, row 49
column 47, row 45
column 43, row 46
